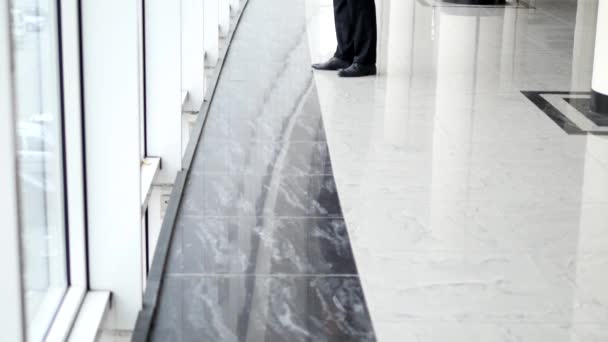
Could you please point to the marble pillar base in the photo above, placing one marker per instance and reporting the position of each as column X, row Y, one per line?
column 599, row 102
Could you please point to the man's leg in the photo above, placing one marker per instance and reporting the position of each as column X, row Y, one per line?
column 365, row 31
column 364, row 39
column 344, row 30
column 345, row 52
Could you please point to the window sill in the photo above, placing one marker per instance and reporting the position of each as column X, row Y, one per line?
column 149, row 168
column 184, row 98
column 68, row 304
column 90, row 316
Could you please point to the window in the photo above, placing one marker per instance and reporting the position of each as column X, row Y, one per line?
column 40, row 160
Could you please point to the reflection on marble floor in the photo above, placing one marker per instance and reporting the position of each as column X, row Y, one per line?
column 472, row 215
column 260, row 250
column 263, row 308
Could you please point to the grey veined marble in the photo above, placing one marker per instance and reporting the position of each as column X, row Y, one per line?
column 260, row 251
column 261, row 245
column 263, row 308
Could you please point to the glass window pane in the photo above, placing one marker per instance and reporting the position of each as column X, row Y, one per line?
column 40, row 160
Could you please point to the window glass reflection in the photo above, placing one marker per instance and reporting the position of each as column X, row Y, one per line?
column 40, row 160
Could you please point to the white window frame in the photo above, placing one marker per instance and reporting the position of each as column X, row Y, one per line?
column 12, row 317
column 12, row 327
column 75, row 173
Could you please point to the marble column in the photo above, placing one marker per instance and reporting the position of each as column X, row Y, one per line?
column 584, row 42
column 599, row 85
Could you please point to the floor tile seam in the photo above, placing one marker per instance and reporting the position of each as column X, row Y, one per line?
column 404, row 173
column 280, row 217
column 534, row 204
column 469, row 254
column 513, row 93
column 507, row 320
column 422, row 89
column 261, row 275
column 497, row 193
column 341, row 216
column 286, row 174
column 270, row 217
column 485, row 182
column 544, row 159
column 481, row 195
column 382, row 319
column 266, row 141
column 237, row 219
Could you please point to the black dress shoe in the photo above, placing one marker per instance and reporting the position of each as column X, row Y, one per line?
column 358, row 70
column 333, row 63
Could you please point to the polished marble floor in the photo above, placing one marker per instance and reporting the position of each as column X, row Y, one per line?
column 452, row 207
column 260, row 251
column 471, row 214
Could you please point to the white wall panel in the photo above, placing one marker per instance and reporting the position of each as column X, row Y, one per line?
column 74, row 142
column 600, row 64
column 583, row 45
column 193, row 53
column 113, row 97
column 163, row 85
column 224, row 15
column 211, row 39
column 235, row 5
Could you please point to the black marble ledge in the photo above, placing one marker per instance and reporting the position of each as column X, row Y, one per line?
column 263, row 309
column 261, row 245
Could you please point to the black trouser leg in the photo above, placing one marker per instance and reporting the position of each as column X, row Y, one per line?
column 365, row 31
column 344, row 30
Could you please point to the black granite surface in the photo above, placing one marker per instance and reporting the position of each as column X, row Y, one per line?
column 583, row 105
column 260, row 250
column 263, row 309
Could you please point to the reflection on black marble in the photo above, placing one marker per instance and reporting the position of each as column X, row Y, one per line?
column 261, row 245
column 294, row 120
column 264, row 308
column 260, row 251
column 259, row 195
column 299, row 158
